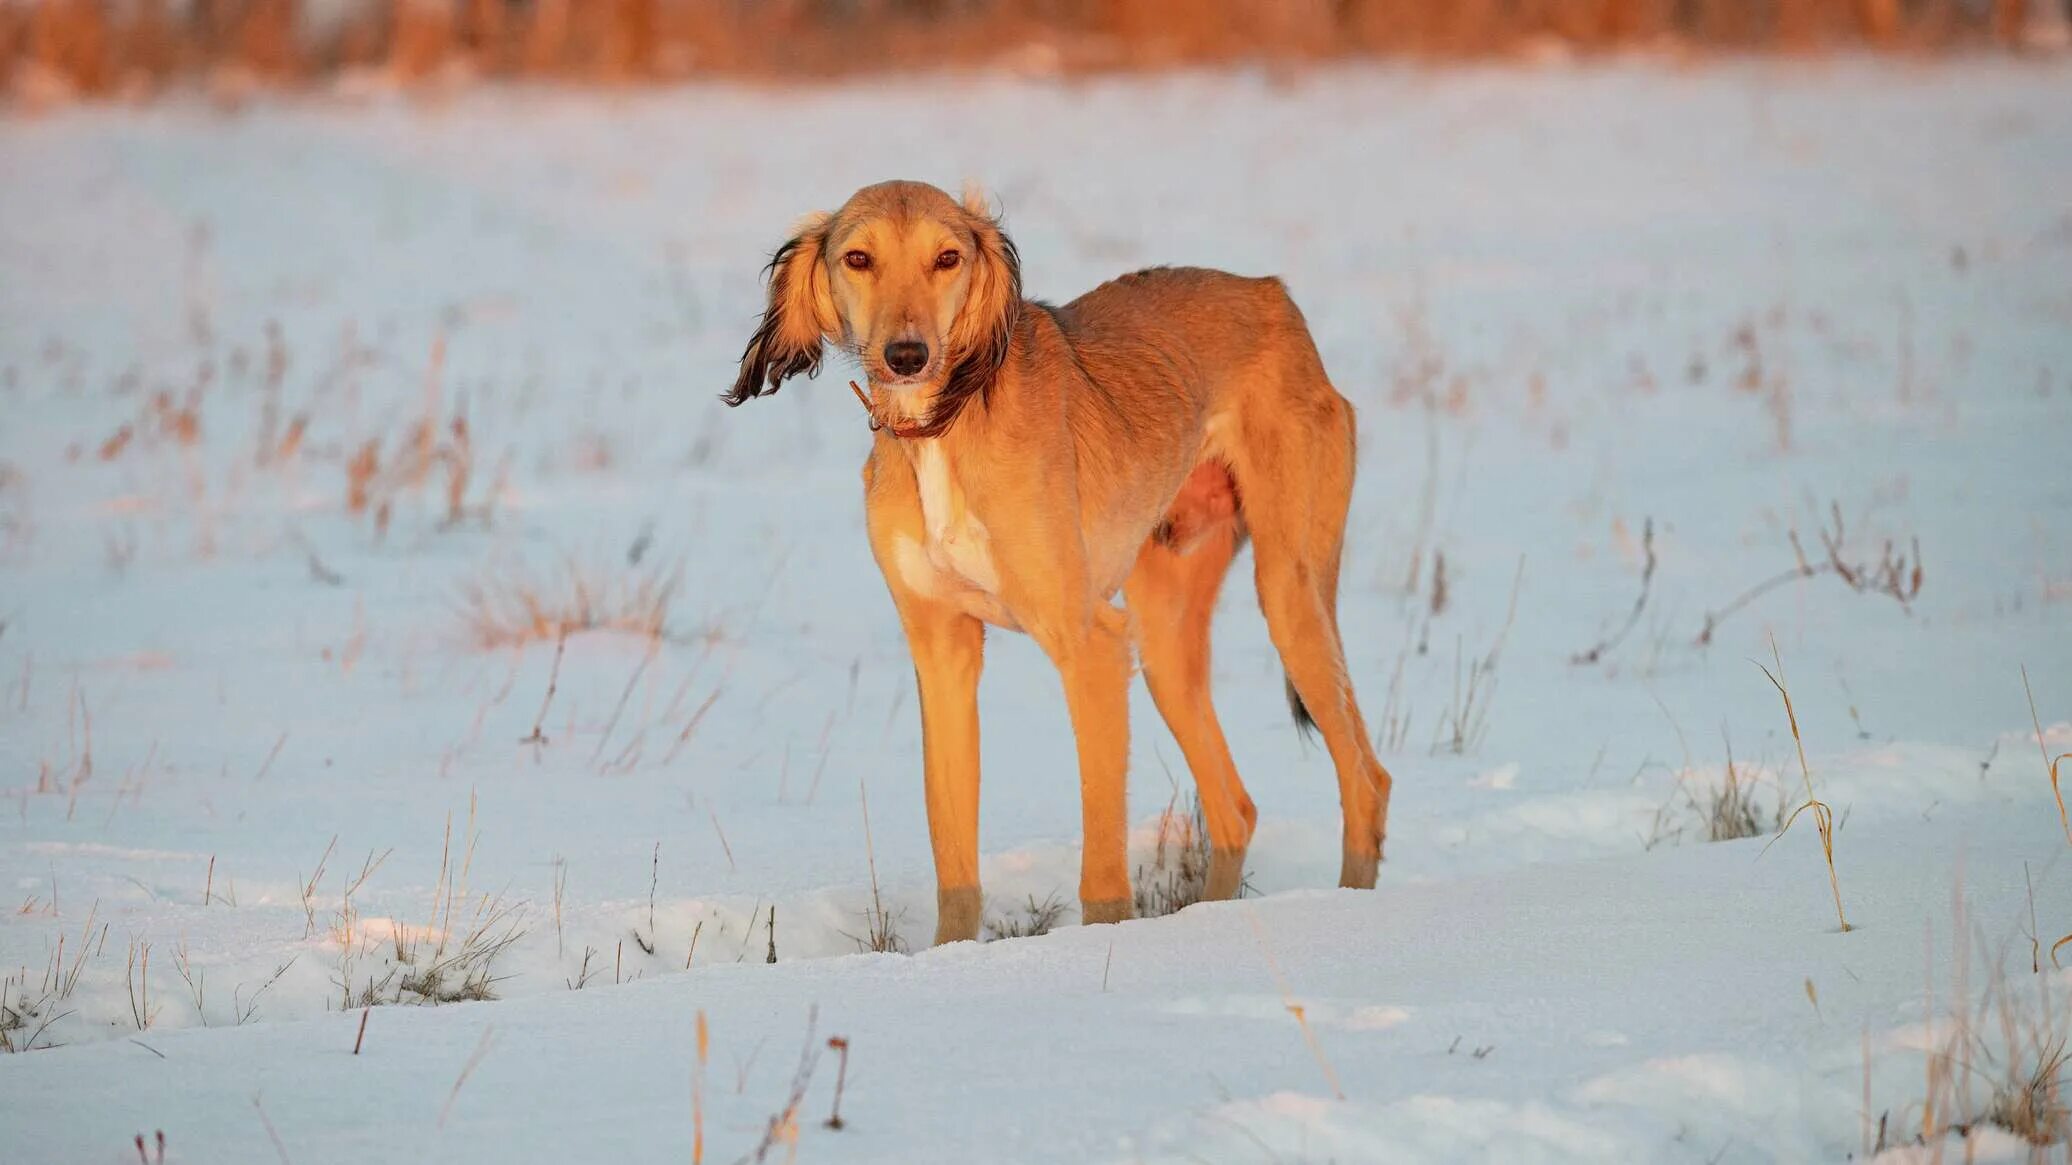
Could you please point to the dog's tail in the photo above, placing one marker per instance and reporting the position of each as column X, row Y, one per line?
column 1305, row 723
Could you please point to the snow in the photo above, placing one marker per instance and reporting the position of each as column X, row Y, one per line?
column 1720, row 304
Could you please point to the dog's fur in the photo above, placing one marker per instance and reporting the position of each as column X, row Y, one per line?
column 1045, row 458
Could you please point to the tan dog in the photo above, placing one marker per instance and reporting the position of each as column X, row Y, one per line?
column 1031, row 461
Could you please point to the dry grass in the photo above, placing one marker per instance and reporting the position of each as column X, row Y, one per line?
column 57, row 50
column 28, row 1013
column 1178, row 873
column 436, row 450
column 2029, row 1098
column 1029, row 920
column 515, row 606
column 1732, row 812
column 448, row 959
column 698, row 1091
column 782, row 1129
column 1823, row 817
column 2000, row 1063
column 1465, row 721
column 1597, row 651
column 2050, row 763
column 1295, row 1008
column 881, row 924
column 1897, row 574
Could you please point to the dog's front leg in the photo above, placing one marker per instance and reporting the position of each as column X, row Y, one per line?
column 1092, row 657
column 948, row 648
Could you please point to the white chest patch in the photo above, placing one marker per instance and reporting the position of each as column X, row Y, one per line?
column 956, row 542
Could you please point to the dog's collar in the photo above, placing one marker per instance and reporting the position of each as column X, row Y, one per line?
column 907, row 431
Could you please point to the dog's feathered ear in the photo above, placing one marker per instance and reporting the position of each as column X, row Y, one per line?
column 984, row 328
column 798, row 320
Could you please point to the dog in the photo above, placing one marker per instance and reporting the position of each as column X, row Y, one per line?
column 1033, row 461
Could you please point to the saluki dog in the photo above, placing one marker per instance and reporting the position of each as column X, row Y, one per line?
column 1031, row 461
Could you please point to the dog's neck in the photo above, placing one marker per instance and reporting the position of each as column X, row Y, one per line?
column 905, row 411
column 887, row 413
column 909, row 405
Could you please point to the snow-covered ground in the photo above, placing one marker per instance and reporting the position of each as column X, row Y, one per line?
column 1612, row 332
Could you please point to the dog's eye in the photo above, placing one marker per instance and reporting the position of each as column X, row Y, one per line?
column 947, row 261
column 857, row 261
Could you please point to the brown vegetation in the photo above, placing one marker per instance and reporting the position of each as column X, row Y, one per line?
column 514, row 606
column 56, row 49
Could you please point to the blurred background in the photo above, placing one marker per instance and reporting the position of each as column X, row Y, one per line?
column 53, row 49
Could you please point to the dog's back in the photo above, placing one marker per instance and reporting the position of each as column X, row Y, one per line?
column 1197, row 321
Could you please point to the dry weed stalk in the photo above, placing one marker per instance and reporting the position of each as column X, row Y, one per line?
column 2050, row 769
column 245, row 1008
column 611, row 726
column 583, row 973
column 648, row 942
column 722, row 834
column 280, row 1147
column 1823, row 817
column 840, row 1045
column 1896, row 573
column 197, row 985
column 698, row 1091
column 783, row 1127
column 1309, row 1035
column 881, row 933
column 1602, row 647
column 538, row 738
column 2050, row 763
column 560, row 890
column 309, row 889
column 137, row 983
column 466, row 1070
column 1463, row 725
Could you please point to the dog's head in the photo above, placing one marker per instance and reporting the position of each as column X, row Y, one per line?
column 922, row 289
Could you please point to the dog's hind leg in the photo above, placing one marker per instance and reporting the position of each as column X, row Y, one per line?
column 1294, row 458
column 1172, row 600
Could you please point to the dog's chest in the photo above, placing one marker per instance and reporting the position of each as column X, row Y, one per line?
column 955, row 557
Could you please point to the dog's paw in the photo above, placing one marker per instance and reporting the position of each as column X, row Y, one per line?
column 1110, row 910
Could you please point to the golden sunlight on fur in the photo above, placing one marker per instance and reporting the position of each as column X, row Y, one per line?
column 1032, row 462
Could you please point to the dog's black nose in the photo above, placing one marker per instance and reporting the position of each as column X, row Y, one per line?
column 906, row 357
